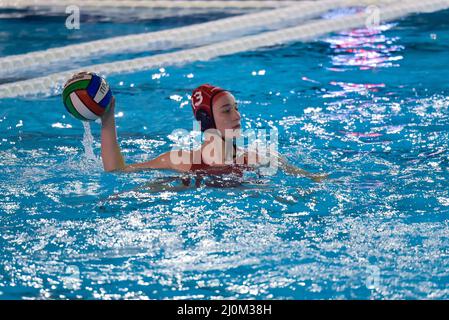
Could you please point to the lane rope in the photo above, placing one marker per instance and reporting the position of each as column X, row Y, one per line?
column 186, row 36
column 52, row 84
column 213, row 4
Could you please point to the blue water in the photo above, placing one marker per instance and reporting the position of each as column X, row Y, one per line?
column 368, row 107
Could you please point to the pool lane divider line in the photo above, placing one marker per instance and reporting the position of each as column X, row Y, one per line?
column 204, row 4
column 194, row 35
column 52, row 84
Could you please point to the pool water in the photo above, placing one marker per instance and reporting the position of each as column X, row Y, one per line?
column 370, row 107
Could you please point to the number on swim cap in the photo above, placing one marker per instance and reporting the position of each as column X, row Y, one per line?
column 198, row 96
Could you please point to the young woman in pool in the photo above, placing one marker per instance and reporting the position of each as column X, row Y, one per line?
column 217, row 112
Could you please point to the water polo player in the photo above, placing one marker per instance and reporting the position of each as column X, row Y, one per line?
column 217, row 112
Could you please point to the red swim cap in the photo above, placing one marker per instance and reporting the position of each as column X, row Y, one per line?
column 202, row 98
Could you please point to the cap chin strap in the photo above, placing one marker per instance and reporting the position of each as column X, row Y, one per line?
column 234, row 147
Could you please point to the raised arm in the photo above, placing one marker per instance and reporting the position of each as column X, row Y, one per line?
column 112, row 157
column 110, row 150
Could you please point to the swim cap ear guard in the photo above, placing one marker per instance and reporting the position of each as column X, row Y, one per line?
column 207, row 122
column 202, row 98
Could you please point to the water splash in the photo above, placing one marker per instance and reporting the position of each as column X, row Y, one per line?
column 89, row 157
